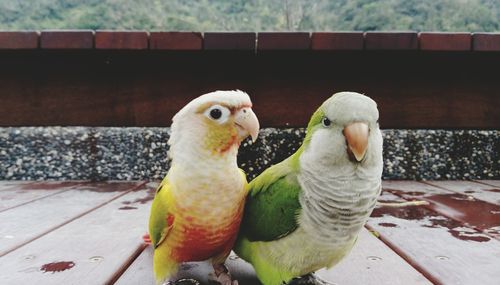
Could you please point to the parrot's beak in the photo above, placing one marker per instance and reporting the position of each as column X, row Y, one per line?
column 356, row 135
column 247, row 123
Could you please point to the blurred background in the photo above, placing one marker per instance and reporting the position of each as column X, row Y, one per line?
column 253, row 15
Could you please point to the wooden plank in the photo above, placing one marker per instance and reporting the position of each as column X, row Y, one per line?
column 14, row 194
column 178, row 41
column 129, row 40
column 18, row 40
column 80, row 39
column 445, row 41
column 337, row 41
column 229, row 41
column 463, row 208
column 19, row 226
column 479, row 191
column 486, row 41
column 91, row 249
column 283, row 41
column 441, row 248
column 391, row 40
column 370, row 262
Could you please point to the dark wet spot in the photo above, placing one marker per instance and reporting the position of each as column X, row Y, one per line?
column 389, row 225
column 107, row 187
column 47, row 185
column 127, row 208
column 57, row 266
column 475, row 213
column 475, row 238
column 436, row 221
column 469, row 191
column 494, row 190
column 406, row 213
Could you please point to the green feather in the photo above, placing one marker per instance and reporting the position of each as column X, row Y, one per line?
column 159, row 211
column 273, row 204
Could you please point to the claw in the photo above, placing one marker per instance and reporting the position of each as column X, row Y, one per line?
column 222, row 275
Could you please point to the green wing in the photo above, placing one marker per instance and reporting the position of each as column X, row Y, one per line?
column 159, row 217
column 273, row 204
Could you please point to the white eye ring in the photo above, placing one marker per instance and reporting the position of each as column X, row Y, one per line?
column 218, row 113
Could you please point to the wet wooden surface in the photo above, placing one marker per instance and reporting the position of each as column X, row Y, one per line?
column 90, row 233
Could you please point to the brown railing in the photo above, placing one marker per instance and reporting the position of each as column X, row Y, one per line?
column 136, row 78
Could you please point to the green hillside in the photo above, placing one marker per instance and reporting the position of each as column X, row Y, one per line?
column 252, row 15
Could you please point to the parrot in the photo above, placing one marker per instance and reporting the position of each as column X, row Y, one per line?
column 197, row 208
column 305, row 213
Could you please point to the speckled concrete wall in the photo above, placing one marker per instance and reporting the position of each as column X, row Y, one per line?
column 59, row 153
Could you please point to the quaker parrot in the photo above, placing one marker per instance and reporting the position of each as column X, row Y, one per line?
column 305, row 212
column 197, row 208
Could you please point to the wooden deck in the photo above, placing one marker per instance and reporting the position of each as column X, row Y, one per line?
column 90, row 233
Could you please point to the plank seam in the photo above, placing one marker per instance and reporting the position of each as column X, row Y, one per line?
column 73, row 219
column 405, row 257
column 457, row 192
column 484, row 183
column 127, row 264
column 34, row 200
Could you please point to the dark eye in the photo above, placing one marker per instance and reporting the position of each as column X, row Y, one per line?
column 215, row 113
column 326, row 122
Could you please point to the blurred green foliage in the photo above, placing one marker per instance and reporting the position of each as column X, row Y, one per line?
column 252, row 15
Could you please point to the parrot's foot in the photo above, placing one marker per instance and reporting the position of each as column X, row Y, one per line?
column 309, row 279
column 147, row 239
column 222, row 275
column 183, row 281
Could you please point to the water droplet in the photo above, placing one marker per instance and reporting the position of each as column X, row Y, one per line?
column 374, row 258
column 29, row 257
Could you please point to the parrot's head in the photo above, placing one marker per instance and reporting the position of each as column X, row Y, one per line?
column 213, row 124
column 345, row 131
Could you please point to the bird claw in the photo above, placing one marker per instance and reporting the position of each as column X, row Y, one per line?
column 309, row 279
column 183, row 281
column 222, row 276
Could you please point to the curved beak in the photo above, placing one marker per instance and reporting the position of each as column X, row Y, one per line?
column 356, row 135
column 247, row 123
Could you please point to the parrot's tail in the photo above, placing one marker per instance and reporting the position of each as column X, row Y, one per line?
column 163, row 265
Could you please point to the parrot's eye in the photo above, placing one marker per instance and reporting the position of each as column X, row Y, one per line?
column 326, row 122
column 215, row 114
column 218, row 113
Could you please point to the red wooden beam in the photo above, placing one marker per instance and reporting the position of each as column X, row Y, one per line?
column 176, row 41
column 486, row 42
column 130, row 40
column 283, row 41
column 19, row 40
column 337, row 41
column 391, row 40
column 67, row 39
column 445, row 41
column 230, row 41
